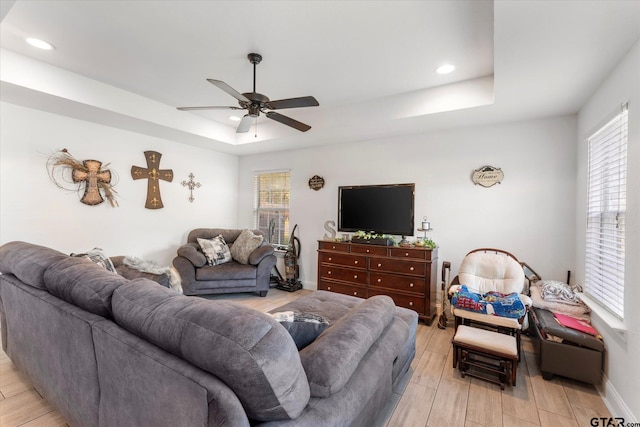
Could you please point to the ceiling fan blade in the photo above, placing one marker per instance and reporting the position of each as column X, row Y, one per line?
column 231, row 91
column 208, row 108
column 288, row 121
column 304, row 101
column 245, row 124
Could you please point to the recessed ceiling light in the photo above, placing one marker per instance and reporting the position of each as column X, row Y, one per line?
column 445, row 69
column 40, row 44
column 234, row 118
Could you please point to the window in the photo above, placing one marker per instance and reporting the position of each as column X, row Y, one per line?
column 271, row 205
column 606, row 208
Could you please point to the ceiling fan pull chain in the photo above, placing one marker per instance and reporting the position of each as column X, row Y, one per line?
column 256, row 128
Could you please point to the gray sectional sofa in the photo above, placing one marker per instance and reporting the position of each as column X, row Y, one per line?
column 107, row 351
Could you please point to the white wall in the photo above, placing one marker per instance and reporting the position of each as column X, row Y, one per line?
column 621, row 368
column 33, row 209
column 531, row 213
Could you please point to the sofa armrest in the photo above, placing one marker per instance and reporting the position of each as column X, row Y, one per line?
column 260, row 253
column 334, row 356
column 190, row 251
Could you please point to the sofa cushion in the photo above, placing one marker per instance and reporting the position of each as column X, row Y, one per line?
column 246, row 349
column 216, row 250
column 28, row 262
column 244, row 245
column 334, row 356
column 229, row 271
column 83, row 283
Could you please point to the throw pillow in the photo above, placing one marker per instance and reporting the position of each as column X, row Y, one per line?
column 246, row 243
column 96, row 255
column 303, row 327
column 216, row 250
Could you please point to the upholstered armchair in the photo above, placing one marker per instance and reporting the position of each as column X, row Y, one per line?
column 200, row 278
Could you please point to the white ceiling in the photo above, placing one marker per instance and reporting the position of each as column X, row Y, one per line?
column 370, row 64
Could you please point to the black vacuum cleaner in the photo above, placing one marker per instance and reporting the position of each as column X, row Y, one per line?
column 290, row 282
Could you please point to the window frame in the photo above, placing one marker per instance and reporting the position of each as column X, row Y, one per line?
column 607, row 150
column 278, row 211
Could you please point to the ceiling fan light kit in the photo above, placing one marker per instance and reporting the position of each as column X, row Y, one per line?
column 255, row 103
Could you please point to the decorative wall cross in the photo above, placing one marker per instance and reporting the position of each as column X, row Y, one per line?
column 91, row 175
column 191, row 184
column 87, row 173
column 153, row 173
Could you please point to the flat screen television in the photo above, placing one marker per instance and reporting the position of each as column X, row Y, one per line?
column 384, row 209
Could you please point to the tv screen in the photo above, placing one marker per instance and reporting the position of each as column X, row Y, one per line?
column 385, row 209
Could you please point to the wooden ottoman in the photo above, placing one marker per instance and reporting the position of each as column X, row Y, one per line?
column 488, row 352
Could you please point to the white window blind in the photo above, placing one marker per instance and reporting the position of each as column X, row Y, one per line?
column 271, row 205
column 607, row 193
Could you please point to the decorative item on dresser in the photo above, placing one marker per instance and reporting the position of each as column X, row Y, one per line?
column 407, row 275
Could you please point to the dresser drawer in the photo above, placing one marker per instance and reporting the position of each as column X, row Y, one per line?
column 414, row 303
column 357, row 261
column 401, row 283
column 344, row 274
column 396, row 266
column 369, row 250
column 408, row 253
column 334, row 246
column 355, row 291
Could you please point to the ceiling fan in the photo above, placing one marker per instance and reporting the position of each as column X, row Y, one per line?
column 255, row 103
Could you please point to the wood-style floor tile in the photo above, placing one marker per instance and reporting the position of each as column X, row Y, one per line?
column 21, row 408
column 549, row 419
column 449, row 405
column 429, row 369
column 414, row 407
column 484, row 406
column 440, row 341
column 550, row 395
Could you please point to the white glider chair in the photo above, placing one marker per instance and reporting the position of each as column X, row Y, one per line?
column 484, row 270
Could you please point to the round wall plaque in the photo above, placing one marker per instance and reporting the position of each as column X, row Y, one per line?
column 316, row 182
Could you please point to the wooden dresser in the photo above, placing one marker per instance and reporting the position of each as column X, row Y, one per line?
column 408, row 275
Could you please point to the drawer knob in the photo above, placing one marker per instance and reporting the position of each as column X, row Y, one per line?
column 355, row 293
column 406, row 254
column 379, row 280
column 379, row 265
column 330, row 258
column 411, row 268
column 328, row 288
column 355, row 262
column 367, row 250
column 333, row 247
column 329, row 272
column 411, row 303
column 411, row 285
column 355, row 276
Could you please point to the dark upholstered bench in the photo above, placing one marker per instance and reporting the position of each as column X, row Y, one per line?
column 579, row 356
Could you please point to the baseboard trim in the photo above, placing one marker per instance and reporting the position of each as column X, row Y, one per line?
column 614, row 402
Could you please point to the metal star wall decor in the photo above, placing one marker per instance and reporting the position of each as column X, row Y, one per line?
column 191, row 184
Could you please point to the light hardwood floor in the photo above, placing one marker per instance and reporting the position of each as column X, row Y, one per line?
column 431, row 394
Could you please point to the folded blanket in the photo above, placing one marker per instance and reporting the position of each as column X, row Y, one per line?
column 555, row 291
column 494, row 303
column 580, row 311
